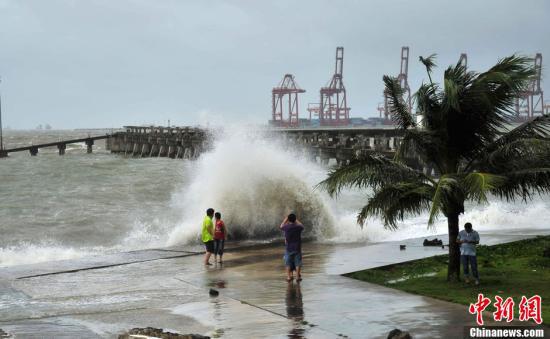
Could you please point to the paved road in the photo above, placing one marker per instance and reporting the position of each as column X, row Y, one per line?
column 168, row 288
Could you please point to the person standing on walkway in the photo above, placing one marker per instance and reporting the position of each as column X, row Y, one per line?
column 293, row 246
column 468, row 239
column 220, row 236
column 208, row 235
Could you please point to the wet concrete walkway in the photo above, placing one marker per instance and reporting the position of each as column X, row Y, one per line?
column 168, row 288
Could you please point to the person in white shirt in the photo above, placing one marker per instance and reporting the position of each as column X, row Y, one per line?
column 468, row 239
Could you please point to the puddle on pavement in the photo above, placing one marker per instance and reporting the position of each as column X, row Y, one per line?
column 405, row 278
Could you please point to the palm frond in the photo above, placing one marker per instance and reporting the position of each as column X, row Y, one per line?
column 456, row 78
column 497, row 89
column 444, row 193
column 368, row 170
column 429, row 63
column 523, row 183
column 398, row 108
column 424, row 144
column 538, row 127
column 513, row 154
column 452, row 98
column 394, row 202
column 477, row 185
column 519, row 154
column 428, row 105
column 486, row 103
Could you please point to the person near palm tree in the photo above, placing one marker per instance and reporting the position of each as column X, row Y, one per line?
column 468, row 239
column 461, row 129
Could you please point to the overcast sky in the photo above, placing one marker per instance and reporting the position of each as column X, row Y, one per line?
column 106, row 63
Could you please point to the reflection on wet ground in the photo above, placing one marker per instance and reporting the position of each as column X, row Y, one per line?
column 295, row 309
column 172, row 292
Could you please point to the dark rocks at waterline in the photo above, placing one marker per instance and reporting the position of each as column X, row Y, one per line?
column 4, row 334
column 398, row 334
column 433, row 242
column 159, row 333
column 213, row 292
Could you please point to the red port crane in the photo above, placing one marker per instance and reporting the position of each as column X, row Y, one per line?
column 333, row 106
column 531, row 101
column 403, row 79
column 286, row 95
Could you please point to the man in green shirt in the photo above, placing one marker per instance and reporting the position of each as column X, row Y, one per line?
column 208, row 235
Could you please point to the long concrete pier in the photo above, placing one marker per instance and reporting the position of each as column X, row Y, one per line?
column 171, row 142
column 321, row 144
column 61, row 145
column 342, row 144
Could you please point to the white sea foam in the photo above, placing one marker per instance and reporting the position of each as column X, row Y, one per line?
column 253, row 181
column 142, row 236
column 28, row 253
column 497, row 215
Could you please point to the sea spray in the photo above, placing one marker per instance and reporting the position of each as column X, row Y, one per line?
column 104, row 203
column 254, row 182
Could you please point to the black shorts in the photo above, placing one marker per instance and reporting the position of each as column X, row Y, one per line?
column 209, row 246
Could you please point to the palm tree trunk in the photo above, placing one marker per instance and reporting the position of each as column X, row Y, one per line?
column 453, row 270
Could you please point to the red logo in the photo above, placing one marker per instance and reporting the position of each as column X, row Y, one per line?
column 504, row 309
column 530, row 309
column 479, row 307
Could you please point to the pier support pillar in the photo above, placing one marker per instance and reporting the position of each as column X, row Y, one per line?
column 144, row 150
column 171, row 152
column 89, row 144
column 196, row 152
column 372, row 142
column 153, row 148
column 108, row 142
column 136, row 149
column 61, row 148
column 162, row 150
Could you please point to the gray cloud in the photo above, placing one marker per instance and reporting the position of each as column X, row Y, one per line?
column 106, row 63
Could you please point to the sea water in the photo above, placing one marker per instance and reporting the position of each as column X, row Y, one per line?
column 61, row 207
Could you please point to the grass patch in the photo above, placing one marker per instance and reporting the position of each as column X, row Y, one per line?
column 508, row 270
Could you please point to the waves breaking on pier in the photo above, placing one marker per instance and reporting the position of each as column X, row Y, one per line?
column 104, row 203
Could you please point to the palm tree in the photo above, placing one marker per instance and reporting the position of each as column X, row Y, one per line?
column 464, row 138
